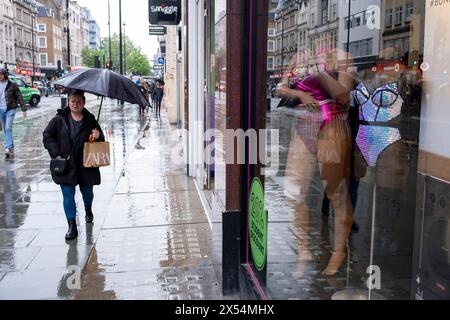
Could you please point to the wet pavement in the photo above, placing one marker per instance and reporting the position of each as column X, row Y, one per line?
column 150, row 239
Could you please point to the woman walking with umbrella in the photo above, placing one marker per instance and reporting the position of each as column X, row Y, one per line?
column 64, row 137
column 67, row 132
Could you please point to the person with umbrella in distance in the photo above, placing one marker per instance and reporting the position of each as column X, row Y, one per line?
column 64, row 137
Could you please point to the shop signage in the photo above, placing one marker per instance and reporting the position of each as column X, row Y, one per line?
column 389, row 67
column 258, row 225
column 26, row 69
column 164, row 12
column 157, row 30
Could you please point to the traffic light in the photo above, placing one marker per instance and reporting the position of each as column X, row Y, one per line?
column 97, row 62
column 109, row 65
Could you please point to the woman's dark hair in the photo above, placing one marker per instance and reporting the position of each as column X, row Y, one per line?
column 78, row 93
column 5, row 72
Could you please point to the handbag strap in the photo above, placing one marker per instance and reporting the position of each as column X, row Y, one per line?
column 73, row 146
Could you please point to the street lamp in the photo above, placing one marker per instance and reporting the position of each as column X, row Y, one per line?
column 120, row 38
column 32, row 48
column 109, row 27
column 124, row 50
column 349, row 24
column 68, row 32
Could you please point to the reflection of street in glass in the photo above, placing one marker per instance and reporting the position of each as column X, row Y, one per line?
column 322, row 140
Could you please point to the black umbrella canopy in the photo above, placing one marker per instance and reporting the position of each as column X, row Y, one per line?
column 103, row 82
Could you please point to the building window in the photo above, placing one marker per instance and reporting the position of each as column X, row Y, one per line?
column 42, row 42
column 270, row 63
column 358, row 21
column 409, row 11
column 324, row 11
column 43, row 58
column 398, row 16
column 270, row 45
column 271, row 32
column 389, row 13
column 19, row 14
column 42, row 27
column 19, row 34
column 360, row 48
column 27, row 18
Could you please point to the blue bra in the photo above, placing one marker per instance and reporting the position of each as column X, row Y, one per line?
column 376, row 110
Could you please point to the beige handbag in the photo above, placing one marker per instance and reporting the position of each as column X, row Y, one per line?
column 96, row 154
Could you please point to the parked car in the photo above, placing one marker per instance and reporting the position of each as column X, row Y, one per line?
column 30, row 95
column 42, row 87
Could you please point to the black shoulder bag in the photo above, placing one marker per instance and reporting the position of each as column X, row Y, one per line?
column 59, row 165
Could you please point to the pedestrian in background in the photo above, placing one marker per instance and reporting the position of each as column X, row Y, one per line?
column 64, row 137
column 159, row 94
column 145, row 89
column 10, row 98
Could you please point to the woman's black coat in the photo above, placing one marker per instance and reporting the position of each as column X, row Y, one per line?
column 58, row 143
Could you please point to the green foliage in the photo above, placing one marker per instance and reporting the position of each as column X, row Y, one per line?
column 88, row 55
column 136, row 61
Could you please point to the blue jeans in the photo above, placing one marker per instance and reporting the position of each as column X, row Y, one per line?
column 7, row 119
column 70, row 208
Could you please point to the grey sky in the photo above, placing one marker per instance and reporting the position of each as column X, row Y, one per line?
column 134, row 14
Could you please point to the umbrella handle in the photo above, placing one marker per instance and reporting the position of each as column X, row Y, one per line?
column 99, row 110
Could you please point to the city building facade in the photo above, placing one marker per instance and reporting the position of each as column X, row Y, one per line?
column 50, row 37
column 26, row 49
column 7, row 32
column 94, row 33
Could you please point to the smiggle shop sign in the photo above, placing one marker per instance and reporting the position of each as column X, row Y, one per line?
column 166, row 12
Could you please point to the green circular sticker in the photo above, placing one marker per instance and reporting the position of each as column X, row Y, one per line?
column 258, row 224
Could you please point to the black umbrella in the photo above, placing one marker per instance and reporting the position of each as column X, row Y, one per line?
column 104, row 83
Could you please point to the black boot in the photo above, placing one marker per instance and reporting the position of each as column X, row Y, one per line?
column 72, row 233
column 89, row 215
